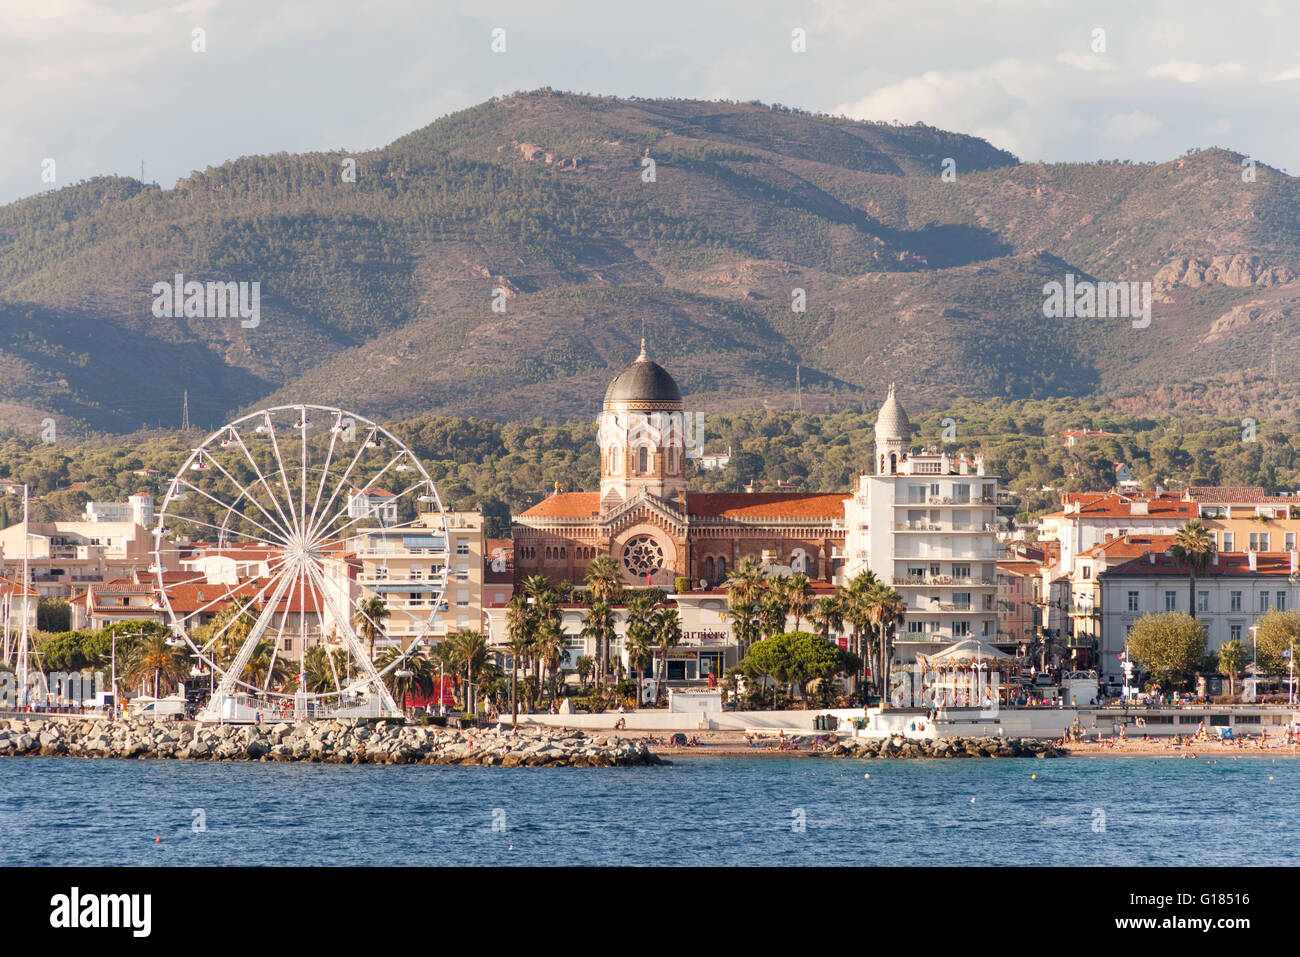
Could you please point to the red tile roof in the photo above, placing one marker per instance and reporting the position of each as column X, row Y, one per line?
column 1229, row 563
column 1120, row 505
column 759, row 505
column 567, row 505
column 1132, row 546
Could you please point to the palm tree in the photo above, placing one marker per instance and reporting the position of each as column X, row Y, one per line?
column 667, row 634
column 369, row 621
column 1193, row 548
column 884, row 607
column 744, row 624
column 748, row 579
column 417, row 674
column 772, row 612
column 266, row 667
column 550, row 650
column 155, row 657
column 519, row 628
column 599, row 625
column 603, row 579
column 798, row 597
column 639, row 637
column 585, row 668
column 469, row 650
column 827, row 615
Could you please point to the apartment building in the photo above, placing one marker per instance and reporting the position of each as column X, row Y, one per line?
column 64, row 557
column 927, row 524
column 1231, row 594
column 406, row 566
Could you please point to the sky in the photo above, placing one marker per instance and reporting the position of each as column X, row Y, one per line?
column 100, row 86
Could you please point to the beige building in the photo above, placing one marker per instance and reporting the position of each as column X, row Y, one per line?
column 65, row 557
column 405, row 566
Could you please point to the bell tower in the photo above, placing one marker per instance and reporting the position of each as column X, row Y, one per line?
column 893, row 436
column 642, row 435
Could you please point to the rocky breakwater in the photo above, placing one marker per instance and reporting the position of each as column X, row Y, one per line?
column 901, row 747
column 328, row 742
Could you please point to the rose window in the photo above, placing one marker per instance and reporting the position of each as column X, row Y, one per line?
column 643, row 555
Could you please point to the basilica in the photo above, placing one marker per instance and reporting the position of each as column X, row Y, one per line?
column 646, row 518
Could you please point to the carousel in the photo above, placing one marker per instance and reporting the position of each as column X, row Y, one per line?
column 968, row 674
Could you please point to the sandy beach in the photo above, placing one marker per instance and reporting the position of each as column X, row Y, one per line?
column 716, row 744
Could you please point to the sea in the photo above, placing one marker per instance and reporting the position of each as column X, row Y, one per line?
column 770, row 810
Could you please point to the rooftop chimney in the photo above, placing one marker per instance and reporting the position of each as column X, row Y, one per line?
column 1295, row 562
column 1251, row 560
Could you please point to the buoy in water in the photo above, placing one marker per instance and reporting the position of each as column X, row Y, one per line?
column 867, row 775
column 1033, row 777
column 158, row 840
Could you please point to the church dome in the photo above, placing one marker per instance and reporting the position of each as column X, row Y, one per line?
column 892, row 422
column 644, row 383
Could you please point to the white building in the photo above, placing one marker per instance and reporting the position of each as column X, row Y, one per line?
column 1236, row 589
column 138, row 509
column 927, row 525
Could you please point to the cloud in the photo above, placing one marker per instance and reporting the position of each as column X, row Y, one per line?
column 1185, row 71
column 1130, row 126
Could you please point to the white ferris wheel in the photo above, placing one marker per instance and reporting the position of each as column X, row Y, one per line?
column 274, row 537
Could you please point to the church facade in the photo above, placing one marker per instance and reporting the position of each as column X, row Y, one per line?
column 652, row 525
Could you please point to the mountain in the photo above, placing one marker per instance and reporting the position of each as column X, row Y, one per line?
column 377, row 294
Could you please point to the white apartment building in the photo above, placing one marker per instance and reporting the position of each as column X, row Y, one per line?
column 927, row 525
column 137, row 509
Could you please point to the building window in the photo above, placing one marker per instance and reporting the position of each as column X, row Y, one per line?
column 1290, row 541
column 1133, row 601
column 1234, row 632
column 1202, row 601
column 1227, row 542
column 462, row 546
column 1281, row 601
column 1259, row 541
column 1263, row 602
column 1234, row 601
column 1087, row 571
column 1171, row 601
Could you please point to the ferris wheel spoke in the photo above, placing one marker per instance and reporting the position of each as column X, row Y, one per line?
column 284, row 479
column 247, row 493
column 231, row 511
column 232, row 594
column 369, row 676
column 310, row 521
column 279, row 636
column 343, row 480
column 235, row 673
column 327, row 531
column 261, row 479
column 320, row 618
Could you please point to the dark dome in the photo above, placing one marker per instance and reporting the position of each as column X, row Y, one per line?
column 643, row 381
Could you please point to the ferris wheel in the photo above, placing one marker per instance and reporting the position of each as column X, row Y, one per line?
column 294, row 536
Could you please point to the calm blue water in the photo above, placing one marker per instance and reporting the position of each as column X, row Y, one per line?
column 60, row 811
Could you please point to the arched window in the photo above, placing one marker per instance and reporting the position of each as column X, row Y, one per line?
column 722, row 569
column 643, row 460
column 708, row 570
column 893, row 463
column 615, row 461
